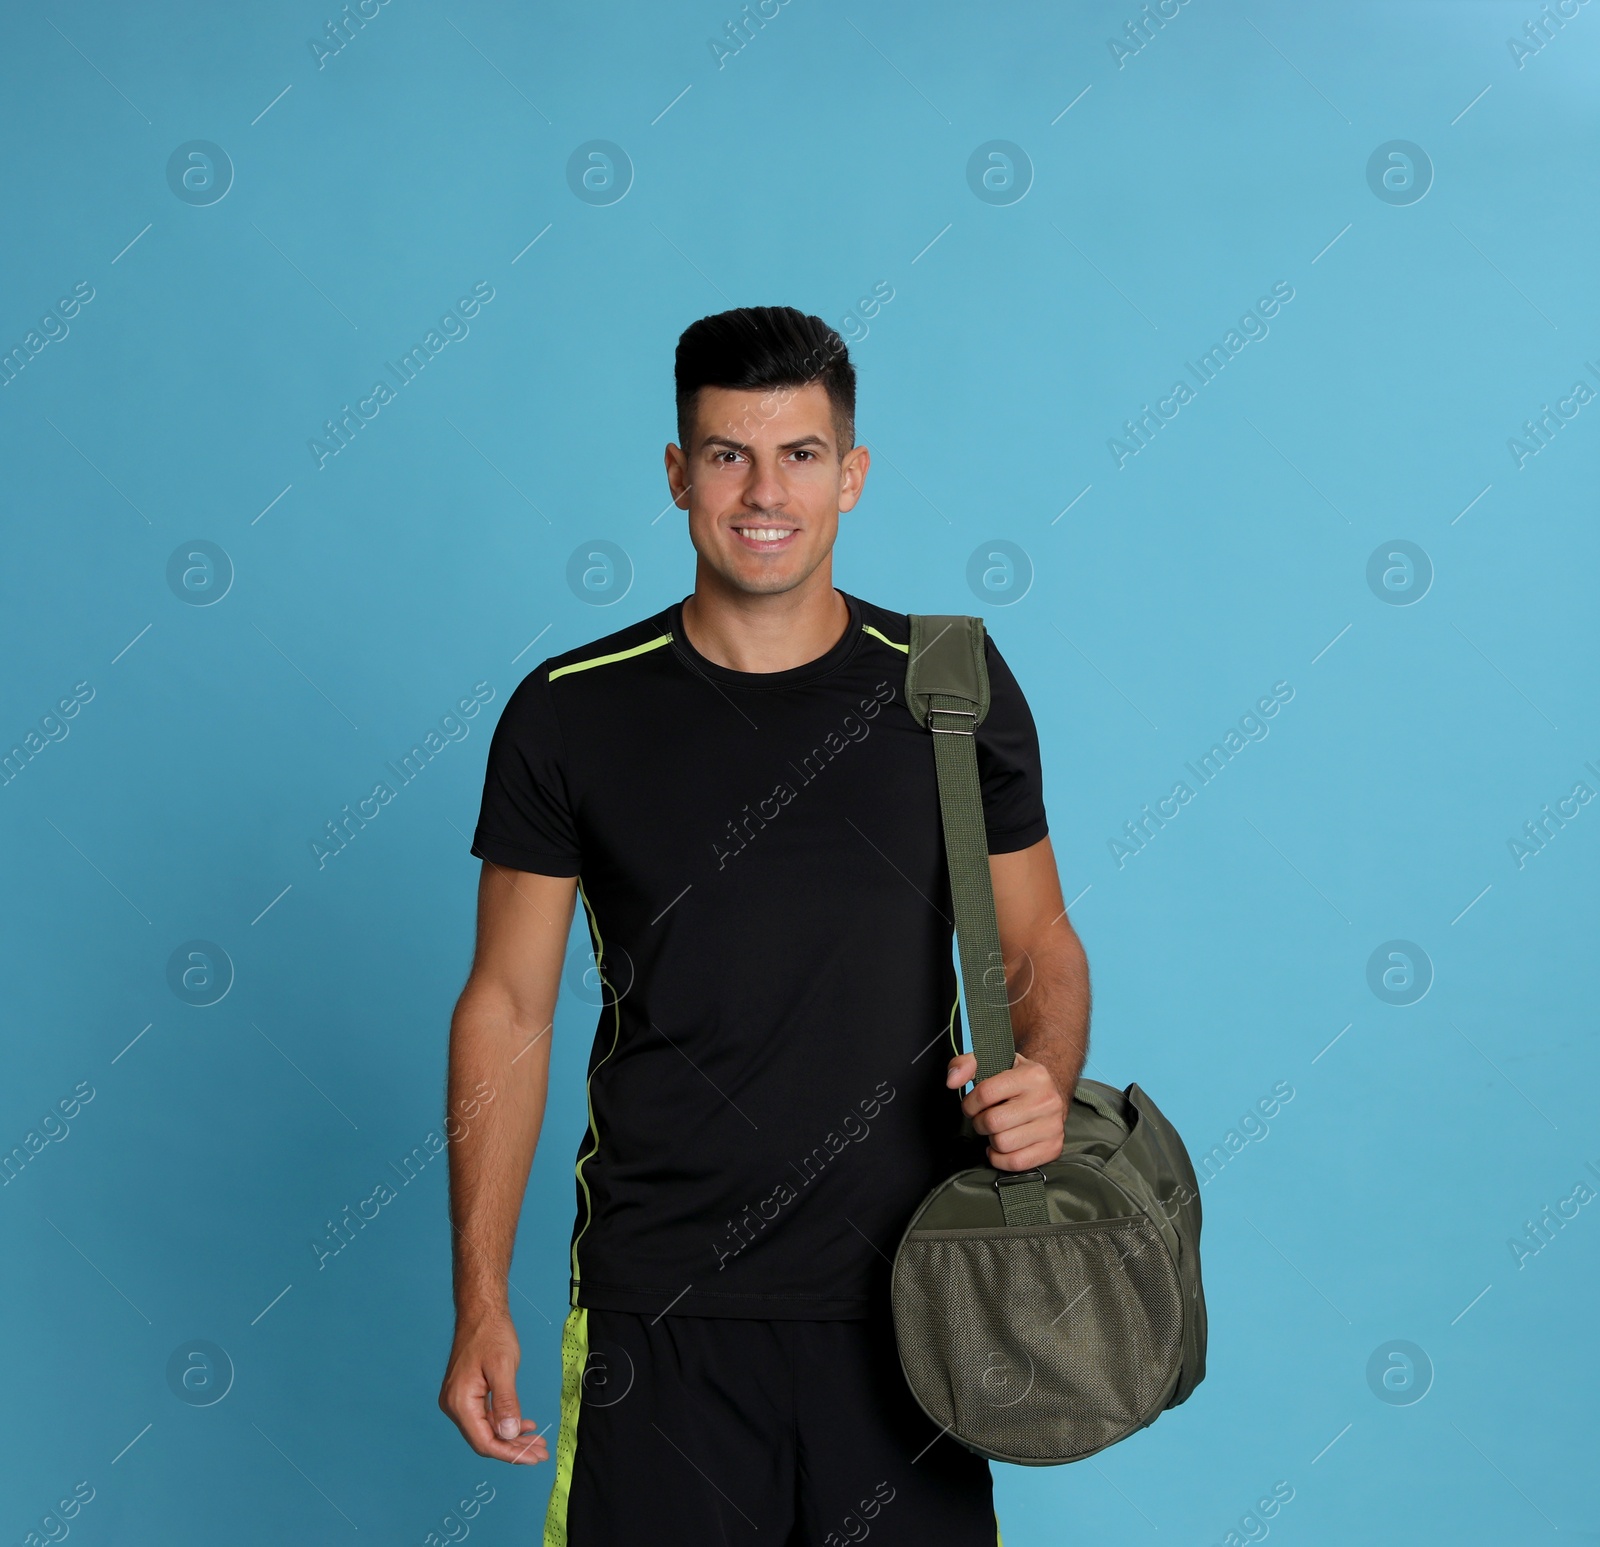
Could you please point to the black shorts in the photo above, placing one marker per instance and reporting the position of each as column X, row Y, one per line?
column 710, row 1430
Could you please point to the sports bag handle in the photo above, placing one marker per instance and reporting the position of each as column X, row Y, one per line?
column 947, row 689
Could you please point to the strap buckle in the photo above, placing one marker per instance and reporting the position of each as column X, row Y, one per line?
column 938, row 730
column 1004, row 1177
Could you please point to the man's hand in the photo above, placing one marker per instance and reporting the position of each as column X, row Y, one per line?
column 1019, row 1110
column 480, row 1392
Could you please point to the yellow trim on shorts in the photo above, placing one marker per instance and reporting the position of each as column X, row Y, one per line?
column 574, row 1356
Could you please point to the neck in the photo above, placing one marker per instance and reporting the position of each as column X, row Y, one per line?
column 760, row 633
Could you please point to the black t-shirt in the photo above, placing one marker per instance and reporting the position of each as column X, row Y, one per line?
column 761, row 862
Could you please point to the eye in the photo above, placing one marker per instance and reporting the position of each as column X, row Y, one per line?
column 802, row 452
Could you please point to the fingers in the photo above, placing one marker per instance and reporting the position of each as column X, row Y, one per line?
column 1019, row 1111
column 1008, row 1085
column 498, row 1435
column 1016, row 1095
column 480, row 1397
column 1023, row 1076
column 963, row 1068
column 530, row 1449
column 521, row 1434
column 1043, row 1145
column 504, row 1409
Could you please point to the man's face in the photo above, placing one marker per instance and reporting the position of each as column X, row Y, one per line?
column 763, row 481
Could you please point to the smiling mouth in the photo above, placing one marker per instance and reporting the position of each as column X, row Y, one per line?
column 764, row 538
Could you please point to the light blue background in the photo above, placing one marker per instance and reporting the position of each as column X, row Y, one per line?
column 1167, row 194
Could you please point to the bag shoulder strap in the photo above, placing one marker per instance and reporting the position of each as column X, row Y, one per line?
column 947, row 690
column 946, row 657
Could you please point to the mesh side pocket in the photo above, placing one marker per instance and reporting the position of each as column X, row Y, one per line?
column 1041, row 1344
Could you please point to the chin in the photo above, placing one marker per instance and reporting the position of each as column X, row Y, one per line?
column 758, row 575
column 766, row 582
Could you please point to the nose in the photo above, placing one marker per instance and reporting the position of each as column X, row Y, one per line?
column 765, row 489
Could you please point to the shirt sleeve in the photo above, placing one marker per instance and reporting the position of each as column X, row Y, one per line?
column 1008, row 763
column 526, row 819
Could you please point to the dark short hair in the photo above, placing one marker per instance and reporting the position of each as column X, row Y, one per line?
column 755, row 347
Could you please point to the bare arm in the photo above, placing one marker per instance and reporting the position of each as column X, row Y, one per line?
column 1047, row 973
column 1021, row 1110
column 499, row 1071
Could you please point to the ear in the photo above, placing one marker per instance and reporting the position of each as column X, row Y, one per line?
column 853, row 475
column 677, row 464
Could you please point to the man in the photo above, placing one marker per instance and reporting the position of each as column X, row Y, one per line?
column 737, row 792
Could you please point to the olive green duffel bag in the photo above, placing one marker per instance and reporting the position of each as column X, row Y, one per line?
column 1040, row 1315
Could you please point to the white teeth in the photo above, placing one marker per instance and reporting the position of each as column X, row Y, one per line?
column 764, row 534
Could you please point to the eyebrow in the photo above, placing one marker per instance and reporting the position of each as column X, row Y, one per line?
column 788, row 445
